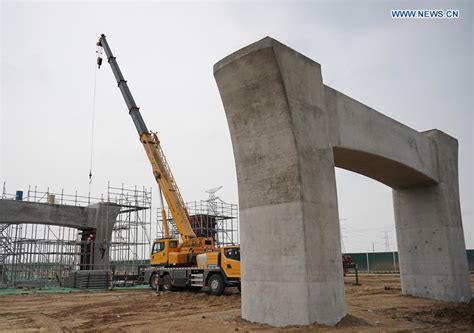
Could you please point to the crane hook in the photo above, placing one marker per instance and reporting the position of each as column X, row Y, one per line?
column 99, row 52
column 99, row 56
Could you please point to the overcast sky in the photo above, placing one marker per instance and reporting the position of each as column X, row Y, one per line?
column 419, row 72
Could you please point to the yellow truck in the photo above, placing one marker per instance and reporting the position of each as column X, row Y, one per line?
column 189, row 261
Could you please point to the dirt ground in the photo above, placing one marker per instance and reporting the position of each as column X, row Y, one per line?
column 376, row 306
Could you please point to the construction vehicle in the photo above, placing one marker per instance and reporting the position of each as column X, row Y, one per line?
column 189, row 261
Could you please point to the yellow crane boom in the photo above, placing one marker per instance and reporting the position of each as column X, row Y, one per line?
column 168, row 186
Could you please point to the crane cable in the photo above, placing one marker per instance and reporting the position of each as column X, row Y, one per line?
column 92, row 128
column 99, row 51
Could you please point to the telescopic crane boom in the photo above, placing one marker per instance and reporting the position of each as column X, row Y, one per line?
column 160, row 167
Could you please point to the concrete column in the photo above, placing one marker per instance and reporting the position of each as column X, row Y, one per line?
column 104, row 220
column 432, row 252
column 290, row 241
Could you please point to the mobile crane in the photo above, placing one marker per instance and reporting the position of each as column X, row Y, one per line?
column 190, row 261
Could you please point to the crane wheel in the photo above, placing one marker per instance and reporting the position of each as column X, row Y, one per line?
column 165, row 283
column 216, row 285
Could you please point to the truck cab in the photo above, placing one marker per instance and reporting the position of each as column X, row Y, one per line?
column 221, row 268
column 230, row 262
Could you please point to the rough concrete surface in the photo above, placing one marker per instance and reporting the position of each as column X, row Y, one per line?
column 288, row 132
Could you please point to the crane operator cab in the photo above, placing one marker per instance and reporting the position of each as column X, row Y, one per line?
column 161, row 250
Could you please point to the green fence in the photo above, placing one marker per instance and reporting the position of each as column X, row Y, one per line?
column 470, row 260
column 388, row 261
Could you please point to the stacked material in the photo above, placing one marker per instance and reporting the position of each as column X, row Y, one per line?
column 29, row 283
column 89, row 279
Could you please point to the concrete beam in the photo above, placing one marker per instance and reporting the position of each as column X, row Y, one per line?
column 372, row 144
column 288, row 133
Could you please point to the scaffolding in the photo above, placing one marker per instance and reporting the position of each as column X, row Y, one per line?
column 131, row 238
column 43, row 255
column 210, row 218
column 37, row 255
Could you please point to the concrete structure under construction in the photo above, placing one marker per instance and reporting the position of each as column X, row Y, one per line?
column 289, row 131
column 96, row 221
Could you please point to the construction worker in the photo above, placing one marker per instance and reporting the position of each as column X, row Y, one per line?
column 103, row 248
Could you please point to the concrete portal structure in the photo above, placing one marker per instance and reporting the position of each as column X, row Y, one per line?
column 289, row 131
column 98, row 219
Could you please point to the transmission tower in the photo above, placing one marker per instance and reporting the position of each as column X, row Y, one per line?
column 387, row 240
column 212, row 206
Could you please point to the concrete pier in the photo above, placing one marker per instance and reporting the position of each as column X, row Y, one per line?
column 429, row 232
column 288, row 133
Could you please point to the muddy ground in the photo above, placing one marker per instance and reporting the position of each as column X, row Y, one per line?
column 376, row 306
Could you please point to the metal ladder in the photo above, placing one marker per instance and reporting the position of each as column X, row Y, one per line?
column 5, row 241
column 167, row 168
